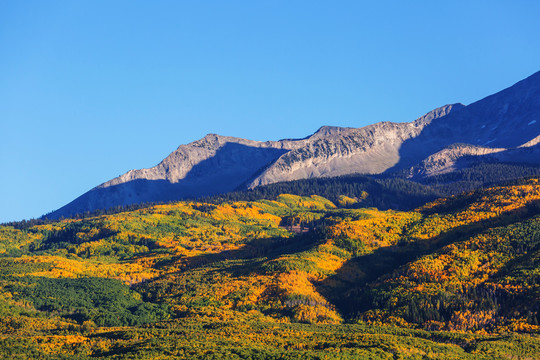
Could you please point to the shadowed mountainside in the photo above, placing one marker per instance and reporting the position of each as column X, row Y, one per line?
column 223, row 172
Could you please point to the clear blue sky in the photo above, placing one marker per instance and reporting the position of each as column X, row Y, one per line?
column 92, row 89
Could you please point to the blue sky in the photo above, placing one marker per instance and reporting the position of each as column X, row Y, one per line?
column 92, row 89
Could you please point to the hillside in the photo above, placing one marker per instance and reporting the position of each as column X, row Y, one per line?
column 398, row 192
column 503, row 127
column 294, row 277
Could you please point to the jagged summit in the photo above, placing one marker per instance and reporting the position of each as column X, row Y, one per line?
column 437, row 113
column 501, row 127
column 329, row 130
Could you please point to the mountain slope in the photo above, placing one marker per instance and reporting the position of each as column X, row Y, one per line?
column 189, row 278
column 213, row 165
column 334, row 151
column 461, row 156
column 502, row 127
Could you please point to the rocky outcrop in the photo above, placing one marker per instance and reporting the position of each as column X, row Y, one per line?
column 459, row 156
column 333, row 151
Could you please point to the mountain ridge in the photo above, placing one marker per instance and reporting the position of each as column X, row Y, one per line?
column 506, row 125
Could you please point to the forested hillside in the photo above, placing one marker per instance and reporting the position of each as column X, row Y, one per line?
column 293, row 277
column 396, row 191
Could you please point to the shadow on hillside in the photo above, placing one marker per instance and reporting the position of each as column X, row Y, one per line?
column 227, row 170
column 251, row 255
column 349, row 288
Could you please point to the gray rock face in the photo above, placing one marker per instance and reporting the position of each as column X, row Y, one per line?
column 333, row 151
column 501, row 127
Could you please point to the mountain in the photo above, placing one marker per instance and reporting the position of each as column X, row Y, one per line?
column 504, row 127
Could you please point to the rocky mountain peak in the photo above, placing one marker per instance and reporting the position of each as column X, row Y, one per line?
column 437, row 113
column 328, row 130
column 210, row 141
